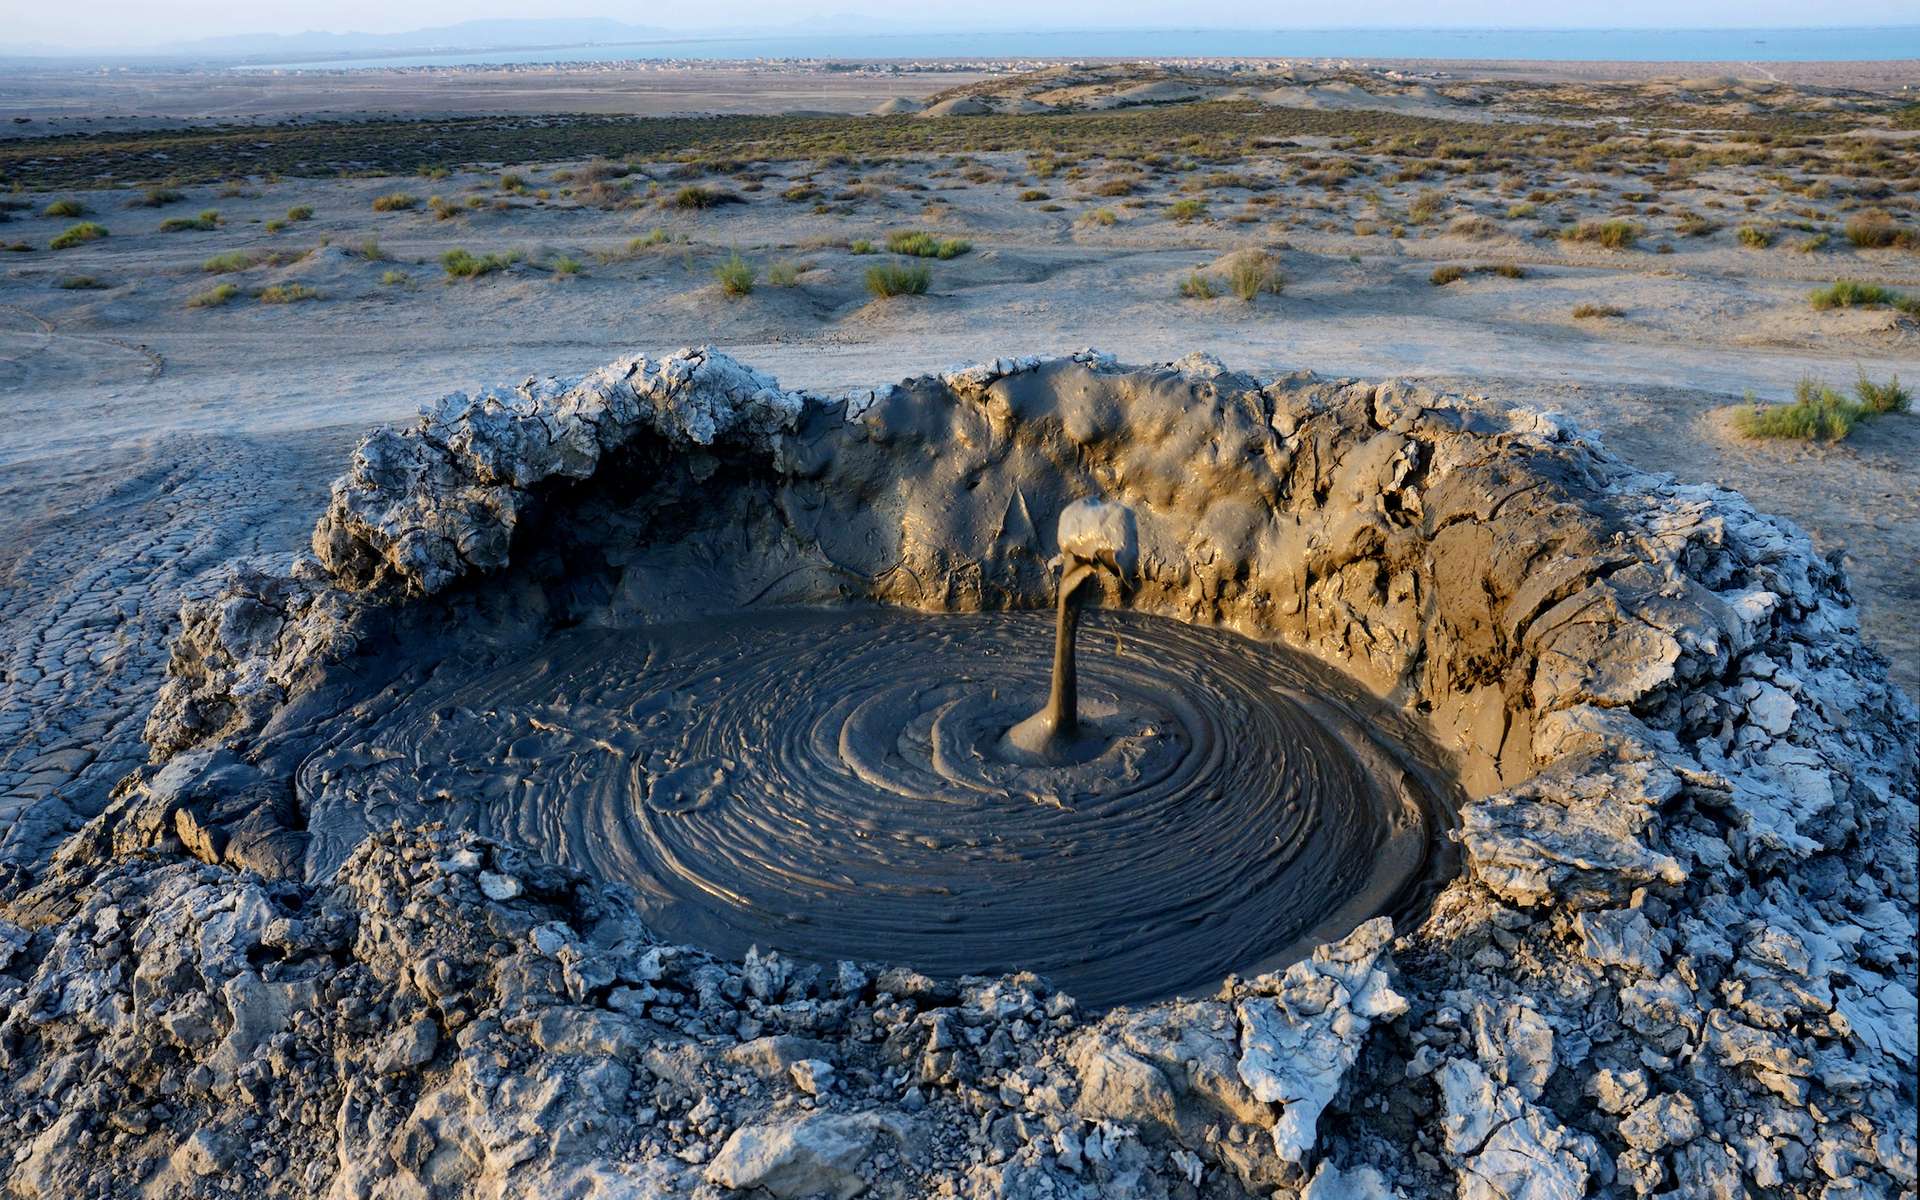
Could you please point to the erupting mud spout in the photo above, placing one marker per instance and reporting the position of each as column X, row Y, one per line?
column 1093, row 535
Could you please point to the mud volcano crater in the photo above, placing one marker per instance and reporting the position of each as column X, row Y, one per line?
column 756, row 656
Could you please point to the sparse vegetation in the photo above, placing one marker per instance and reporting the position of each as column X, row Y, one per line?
column 157, row 197
column 917, row 243
column 1187, row 209
column 1588, row 310
column 784, row 274
column 75, row 235
column 206, row 222
column 464, row 264
column 1453, row 272
column 300, row 212
column 566, row 265
column 898, row 279
column 1754, row 237
column 215, row 296
column 1614, row 234
column 81, row 283
column 861, row 246
column 395, row 279
column 395, row 202
column 232, row 260
column 1251, row 272
column 1101, row 216
column 1820, row 413
column 735, row 275
column 1851, row 293
column 287, row 293
column 1876, row 229
column 699, row 197
column 1199, row 286
column 64, row 208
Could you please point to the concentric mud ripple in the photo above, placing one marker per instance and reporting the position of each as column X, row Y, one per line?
column 835, row 783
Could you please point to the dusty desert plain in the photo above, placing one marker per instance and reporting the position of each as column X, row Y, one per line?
column 198, row 324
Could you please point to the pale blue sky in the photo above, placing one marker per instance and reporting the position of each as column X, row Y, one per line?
column 141, row 22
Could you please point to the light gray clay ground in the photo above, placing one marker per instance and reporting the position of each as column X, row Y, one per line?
column 1678, row 955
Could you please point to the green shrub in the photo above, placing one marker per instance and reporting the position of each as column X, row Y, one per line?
column 1851, row 293
column 463, row 264
column 81, row 283
column 920, row 244
column 1754, row 237
column 1426, row 206
column 274, row 226
column 287, row 293
column 1524, row 209
column 699, row 197
column 1101, row 216
column 566, row 265
column 1198, row 286
column 395, row 202
column 85, row 231
column 784, row 274
column 898, row 279
column 395, row 278
column 735, row 275
column 214, row 296
column 300, row 212
column 369, row 249
column 64, row 208
column 1818, row 413
column 232, row 260
column 1614, row 234
column 862, row 246
column 1187, row 209
column 208, row 220
column 1251, row 272
column 1878, row 398
column 156, row 197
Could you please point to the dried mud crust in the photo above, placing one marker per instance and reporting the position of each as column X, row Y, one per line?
column 1679, row 956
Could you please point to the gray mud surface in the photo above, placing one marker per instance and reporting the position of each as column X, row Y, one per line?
column 838, row 784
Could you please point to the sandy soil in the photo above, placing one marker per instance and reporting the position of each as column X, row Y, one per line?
column 148, row 441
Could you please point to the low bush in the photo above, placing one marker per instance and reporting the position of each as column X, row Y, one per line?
column 1451, row 273
column 214, row 296
column 735, row 275
column 1588, row 310
column 463, row 264
column 81, row 283
column 208, row 220
column 921, row 244
column 784, row 274
column 1199, row 286
column 567, row 265
column 85, row 231
column 232, row 260
column 1821, row 413
column 395, row 278
column 287, row 293
column 1851, row 293
column 1614, row 234
column 300, row 212
column 699, row 197
column 1101, row 216
column 156, row 197
column 1033, row 194
column 1754, row 237
column 862, row 246
column 1876, row 229
column 898, row 279
column 1251, row 272
column 1187, row 209
column 64, row 208
column 1877, row 399
column 395, row 202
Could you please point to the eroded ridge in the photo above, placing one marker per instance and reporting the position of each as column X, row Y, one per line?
column 1679, row 955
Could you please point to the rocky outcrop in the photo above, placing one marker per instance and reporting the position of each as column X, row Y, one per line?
column 1679, row 956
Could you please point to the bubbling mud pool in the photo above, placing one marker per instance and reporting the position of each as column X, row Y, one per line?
column 838, row 784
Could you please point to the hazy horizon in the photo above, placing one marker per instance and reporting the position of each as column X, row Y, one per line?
column 142, row 29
